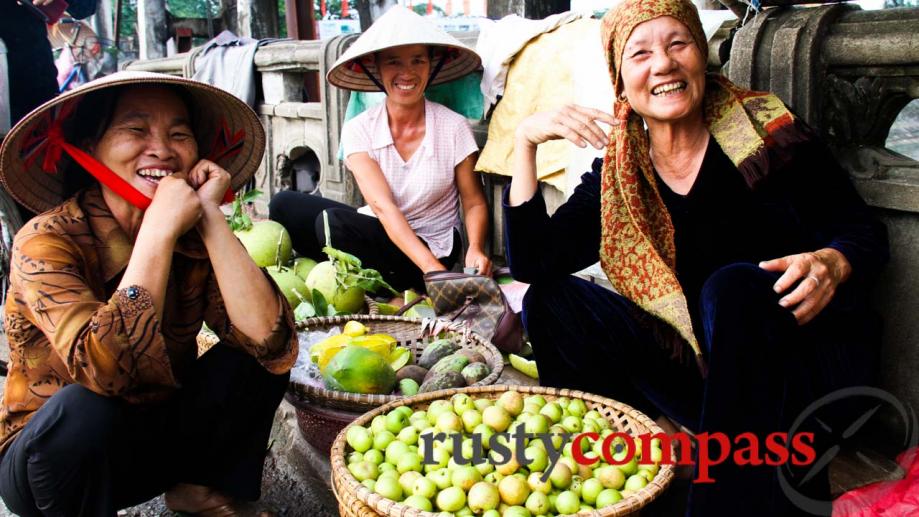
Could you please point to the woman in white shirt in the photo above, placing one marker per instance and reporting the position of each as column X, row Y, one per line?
column 412, row 159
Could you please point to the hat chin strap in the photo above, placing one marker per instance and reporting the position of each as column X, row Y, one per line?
column 437, row 67
column 370, row 76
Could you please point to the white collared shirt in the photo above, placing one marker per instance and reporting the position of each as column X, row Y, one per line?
column 424, row 187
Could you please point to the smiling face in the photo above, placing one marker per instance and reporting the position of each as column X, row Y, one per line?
column 663, row 71
column 404, row 72
column 149, row 137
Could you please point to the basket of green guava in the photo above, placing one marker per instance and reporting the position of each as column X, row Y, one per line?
column 500, row 451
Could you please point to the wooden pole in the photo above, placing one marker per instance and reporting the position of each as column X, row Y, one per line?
column 301, row 25
column 117, row 31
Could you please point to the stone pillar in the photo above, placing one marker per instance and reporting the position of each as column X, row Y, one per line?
column 151, row 28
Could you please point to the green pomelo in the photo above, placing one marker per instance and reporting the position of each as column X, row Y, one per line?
column 351, row 300
column 322, row 279
column 358, row 370
column 261, row 241
column 303, row 266
column 288, row 282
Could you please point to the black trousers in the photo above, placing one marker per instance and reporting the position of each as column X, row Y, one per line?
column 361, row 235
column 764, row 369
column 86, row 454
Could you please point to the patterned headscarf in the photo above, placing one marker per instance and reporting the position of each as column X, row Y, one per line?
column 637, row 250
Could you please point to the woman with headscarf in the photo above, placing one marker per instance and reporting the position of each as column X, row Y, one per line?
column 412, row 159
column 108, row 403
column 730, row 235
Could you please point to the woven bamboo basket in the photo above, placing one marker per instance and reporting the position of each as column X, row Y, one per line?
column 356, row 500
column 413, row 334
column 207, row 339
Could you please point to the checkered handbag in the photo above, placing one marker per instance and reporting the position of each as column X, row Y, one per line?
column 477, row 301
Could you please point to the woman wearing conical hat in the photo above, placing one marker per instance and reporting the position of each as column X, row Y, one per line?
column 412, row 160
column 730, row 235
column 107, row 403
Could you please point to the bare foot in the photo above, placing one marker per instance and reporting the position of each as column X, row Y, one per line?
column 193, row 498
column 667, row 425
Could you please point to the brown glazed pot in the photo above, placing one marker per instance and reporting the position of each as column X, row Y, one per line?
column 320, row 425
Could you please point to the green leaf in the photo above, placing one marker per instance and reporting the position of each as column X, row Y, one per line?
column 319, row 302
column 303, row 311
column 251, row 196
column 238, row 220
column 347, row 258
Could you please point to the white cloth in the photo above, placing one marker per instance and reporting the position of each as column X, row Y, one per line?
column 500, row 41
column 424, row 187
column 227, row 63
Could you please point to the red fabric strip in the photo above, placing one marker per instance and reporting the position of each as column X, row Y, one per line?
column 107, row 177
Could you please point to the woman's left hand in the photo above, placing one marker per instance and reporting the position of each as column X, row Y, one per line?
column 818, row 274
column 476, row 258
column 210, row 181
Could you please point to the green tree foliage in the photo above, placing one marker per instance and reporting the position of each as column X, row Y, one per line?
column 193, row 8
column 890, row 4
column 128, row 23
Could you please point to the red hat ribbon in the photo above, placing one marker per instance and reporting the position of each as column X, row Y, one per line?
column 226, row 145
column 51, row 145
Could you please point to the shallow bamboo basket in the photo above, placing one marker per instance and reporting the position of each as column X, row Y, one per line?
column 411, row 333
column 356, row 500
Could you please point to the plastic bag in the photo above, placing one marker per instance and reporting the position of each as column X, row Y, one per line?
column 894, row 498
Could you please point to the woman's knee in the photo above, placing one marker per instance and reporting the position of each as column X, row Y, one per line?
column 341, row 223
column 738, row 285
column 279, row 206
column 547, row 293
column 73, row 425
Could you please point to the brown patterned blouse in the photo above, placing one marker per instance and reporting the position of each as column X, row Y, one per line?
column 66, row 322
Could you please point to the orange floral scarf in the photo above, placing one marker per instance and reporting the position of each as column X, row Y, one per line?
column 637, row 250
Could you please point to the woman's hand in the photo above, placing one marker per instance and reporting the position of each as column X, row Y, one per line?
column 578, row 124
column 818, row 274
column 477, row 258
column 175, row 207
column 210, row 181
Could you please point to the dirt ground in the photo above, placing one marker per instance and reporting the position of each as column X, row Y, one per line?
column 294, row 484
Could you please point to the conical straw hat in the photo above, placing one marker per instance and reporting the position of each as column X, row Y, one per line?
column 400, row 26
column 227, row 130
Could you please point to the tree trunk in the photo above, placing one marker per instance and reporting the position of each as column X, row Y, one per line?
column 537, row 9
column 151, row 28
column 533, row 9
column 498, row 9
column 257, row 18
column 363, row 12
